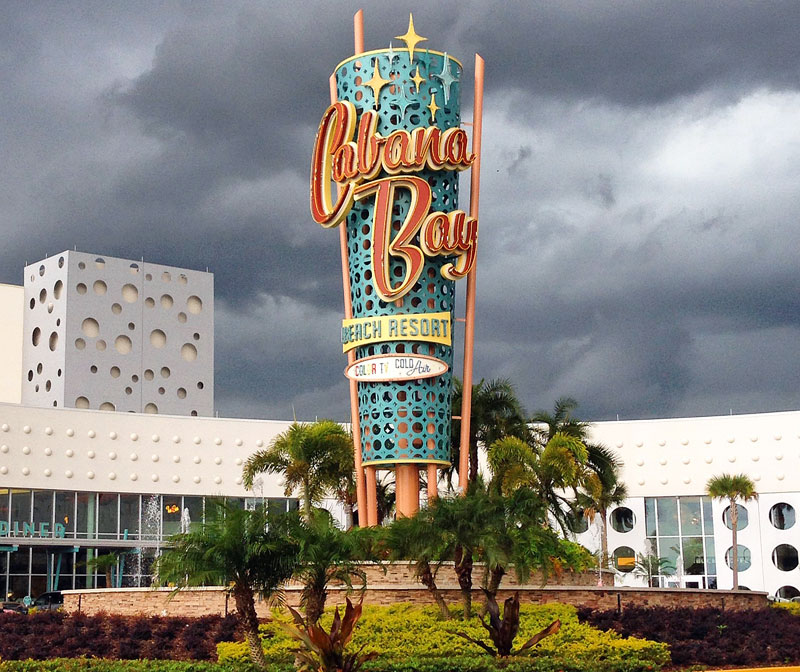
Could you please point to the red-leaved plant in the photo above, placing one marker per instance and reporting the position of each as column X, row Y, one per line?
column 323, row 651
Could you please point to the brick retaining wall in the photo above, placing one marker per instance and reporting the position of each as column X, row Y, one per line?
column 398, row 585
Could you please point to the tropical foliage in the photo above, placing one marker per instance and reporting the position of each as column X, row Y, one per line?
column 733, row 488
column 249, row 550
column 315, row 459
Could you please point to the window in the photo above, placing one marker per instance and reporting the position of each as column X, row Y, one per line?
column 784, row 557
column 622, row 519
column 782, row 516
column 577, row 522
column 742, row 521
column 788, row 592
column 129, row 516
column 624, row 559
column 744, row 557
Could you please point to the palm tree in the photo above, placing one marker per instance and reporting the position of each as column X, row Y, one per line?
column 106, row 564
column 250, row 550
column 328, row 554
column 496, row 412
column 649, row 566
column 601, row 490
column 315, row 458
column 730, row 487
column 552, row 471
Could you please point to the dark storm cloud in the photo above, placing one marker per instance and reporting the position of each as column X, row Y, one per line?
column 639, row 220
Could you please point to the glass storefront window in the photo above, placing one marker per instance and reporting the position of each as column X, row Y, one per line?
column 624, row 559
column 129, row 516
column 741, row 517
column 693, row 556
column 708, row 517
column 20, row 507
column 781, row 516
column 86, row 514
column 193, row 512
column 650, row 516
column 690, row 516
column 743, row 554
column 172, row 515
column 667, row 508
column 39, row 560
column 65, row 512
column 19, row 562
column 711, row 559
column 107, row 514
column 43, row 512
column 622, row 519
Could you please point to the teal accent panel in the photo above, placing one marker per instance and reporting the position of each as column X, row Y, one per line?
column 411, row 421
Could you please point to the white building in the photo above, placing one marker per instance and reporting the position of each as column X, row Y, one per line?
column 77, row 482
column 115, row 334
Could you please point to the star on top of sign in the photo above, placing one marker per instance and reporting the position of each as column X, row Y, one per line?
column 411, row 38
column 377, row 82
column 446, row 77
column 433, row 107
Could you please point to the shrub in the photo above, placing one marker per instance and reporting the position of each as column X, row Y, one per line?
column 414, row 638
column 710, row 636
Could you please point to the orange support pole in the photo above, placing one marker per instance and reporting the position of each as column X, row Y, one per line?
column 372, row 496
column 433, row 482
column 355, row 425
column 469, row 332
column 406, row 486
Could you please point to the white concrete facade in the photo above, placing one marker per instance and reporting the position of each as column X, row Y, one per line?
column 12, row 301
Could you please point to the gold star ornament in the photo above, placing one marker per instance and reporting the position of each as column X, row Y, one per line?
column 411, row 38
column 417, row 79
column 376, row 83
column 433, row 107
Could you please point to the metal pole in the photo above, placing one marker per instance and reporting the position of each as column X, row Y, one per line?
column 469, row 332
column 433, row 482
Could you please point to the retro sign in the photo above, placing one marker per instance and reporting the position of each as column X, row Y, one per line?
column 386, row 368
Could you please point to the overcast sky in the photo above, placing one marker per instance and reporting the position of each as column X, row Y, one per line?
column 640, row 194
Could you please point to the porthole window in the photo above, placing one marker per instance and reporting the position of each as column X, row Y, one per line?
column 624, row 559
column 788, row 592
column 742, row 521
column 744, row 557
column 782, row 516
column 576, row 521
column 784, row 557
column 622, row 519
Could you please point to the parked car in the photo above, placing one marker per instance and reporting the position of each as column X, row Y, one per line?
column 13, row 608
column 49, row 601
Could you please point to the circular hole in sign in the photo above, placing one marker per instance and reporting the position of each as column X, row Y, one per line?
column 123, row 345
column 188, row 352
column 158, row 339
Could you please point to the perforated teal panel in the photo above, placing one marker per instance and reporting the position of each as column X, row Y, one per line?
column 403, row 422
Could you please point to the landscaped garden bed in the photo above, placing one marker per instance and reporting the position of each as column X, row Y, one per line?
column 712, row 637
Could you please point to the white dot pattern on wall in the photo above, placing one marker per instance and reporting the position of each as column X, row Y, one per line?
column 176, row 439
column 26, row 429
column 112, row 436
column 196, row 459
column 48, row 431
column 707, row 441
column 26, row 450
column 90, row 454
column 134, row 437
column 176, row 478
column 709, row 459
column 134, row 477
column 238, row 461
column 217, row 480
column 112, row 455
column 218, row 441
column 196, row 440
column 155, row 438
column 4, row 448
column 5, row 427
column 687, row 480
column 48, row 472
column 70, row 432
column 69, row 452
column 3, row 470
column 731, row 458
column 134, row 457
column 686, row 460
column 154, row 478
column 217, row 460
column 176, row 458
column 755, row 458
column 196, row 479
column 112, row 476
column 154, row 457
column 89, row 474
column 777, row 437
column 238, row 442
column 68, row 473
column 779, row 456
column 25, row 471
column 91, row 434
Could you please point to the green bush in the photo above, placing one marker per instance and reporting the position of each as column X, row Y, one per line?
column 413, row 638
column 791, row 607
column 104, row 665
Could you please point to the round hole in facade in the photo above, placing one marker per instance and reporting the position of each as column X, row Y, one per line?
column 150, row 302
column 181, row 393
column 100, row 262
column 161, row 390
column 622, row 519
column 81, row 265
column 43, row 296
column 188, row 352
column 107, row 406
column 90, row 327
column 148, row 374
column 80, row 344
column 61, row 262
column 784, row 557
column 53, row 342
column 129, row 293
column 787, row 592
column 782, row 516
column 115, row 372
column 123, row 345
column 41, row 270
column 99, row 287
column 577, row 522
column 166, row 301
column 100, row 345
column 158, row 339
column 134, row 269
column 57, row 289
column 151, row 408
column 745, row 558
column 116, row 308
column 624, row 559
column 80, row 288
column 36, row 336
column 165, row 276
column 182, row 318
column 165, row 372
column 81, row 402
column 194, row 305
column 742, row 521
column 93, row 368
column 200, row 385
